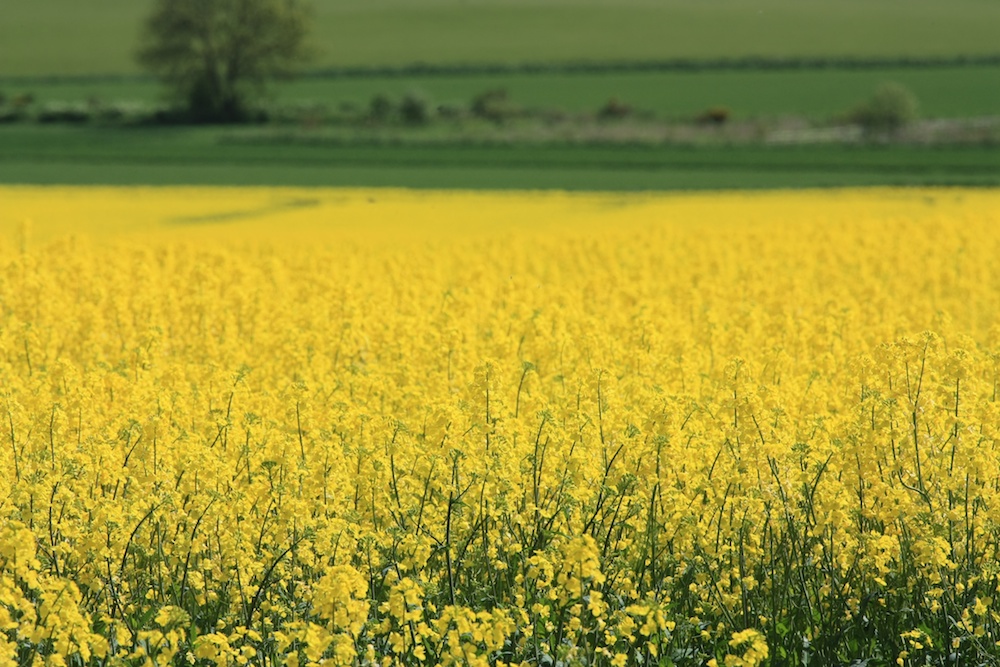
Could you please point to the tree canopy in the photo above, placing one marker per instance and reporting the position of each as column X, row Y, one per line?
column 218, row 55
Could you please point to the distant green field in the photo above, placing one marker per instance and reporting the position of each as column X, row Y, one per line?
column 67, row 155
column 953, row 92
column 70, row 37
column 40, row 39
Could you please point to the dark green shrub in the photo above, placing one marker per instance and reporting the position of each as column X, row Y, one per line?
column 11, row 116
column 614, row 109
column 890, row 107
column 380, row 109
column 415, row 109
column 494, row 105
column 714, row 116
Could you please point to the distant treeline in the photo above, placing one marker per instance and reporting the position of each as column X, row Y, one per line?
column 593, row 67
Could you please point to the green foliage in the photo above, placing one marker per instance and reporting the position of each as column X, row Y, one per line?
column 65, row 113
column 415, row 109
column 615, row 109
column 380, row 108
column 891, row 107
column 714, row 116
column 16, row 108
column 946, row 92
column 494, row 105
column 218, row 55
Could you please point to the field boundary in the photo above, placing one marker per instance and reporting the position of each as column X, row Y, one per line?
column 747, row 63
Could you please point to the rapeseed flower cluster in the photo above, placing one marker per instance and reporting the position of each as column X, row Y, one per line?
column 384, row 428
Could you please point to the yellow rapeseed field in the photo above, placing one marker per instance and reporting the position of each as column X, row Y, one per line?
column 350, row 427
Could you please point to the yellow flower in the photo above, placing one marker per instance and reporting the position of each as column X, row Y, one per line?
column 387, row 426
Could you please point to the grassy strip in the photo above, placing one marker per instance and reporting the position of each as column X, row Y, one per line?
column 461, row 178
column 208, row 155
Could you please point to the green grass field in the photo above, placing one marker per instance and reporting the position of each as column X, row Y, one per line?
column 69, row 155
column 92, row 44
column 68, row 37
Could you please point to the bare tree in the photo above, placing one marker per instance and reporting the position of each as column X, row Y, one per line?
column 218, row 55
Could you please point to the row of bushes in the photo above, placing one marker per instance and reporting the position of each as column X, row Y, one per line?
column 414, row 108
column 24, row 108
column 890, row 107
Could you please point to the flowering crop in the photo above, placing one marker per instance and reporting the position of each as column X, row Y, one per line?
column 376, row 427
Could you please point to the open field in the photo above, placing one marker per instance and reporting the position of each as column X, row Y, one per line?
column 68, row 155
column 69, row 53
column 293, row 427
column 67, row 37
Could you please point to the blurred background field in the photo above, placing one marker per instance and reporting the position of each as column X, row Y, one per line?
column 492, row 93
column 99, row 37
